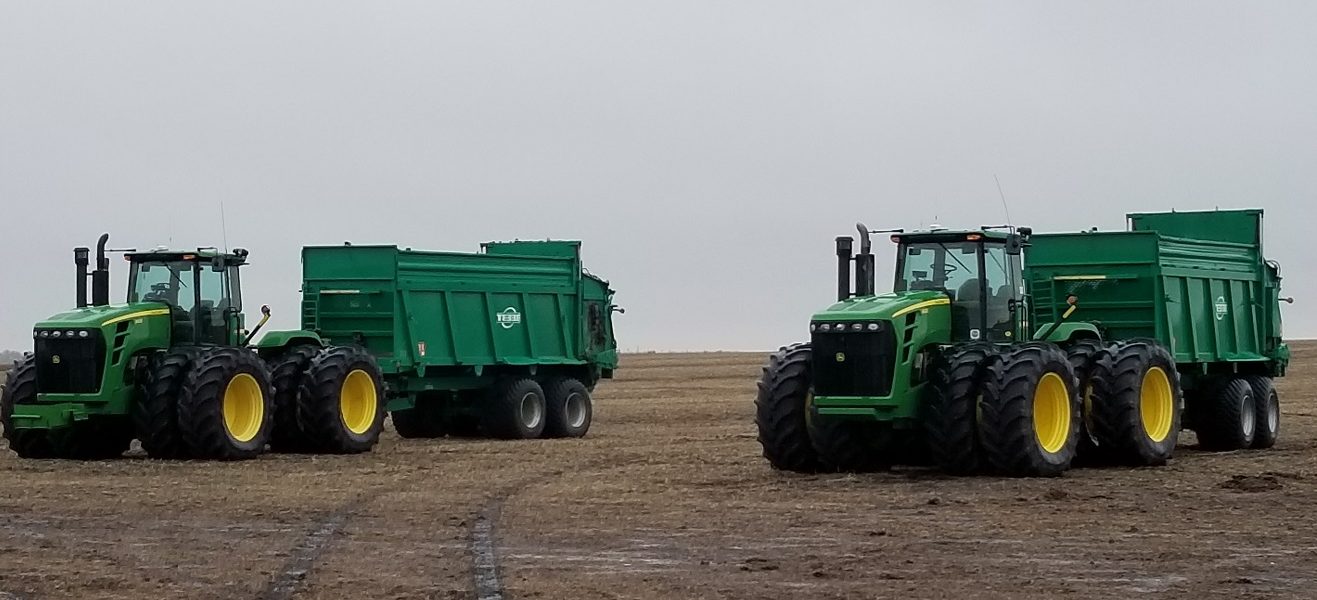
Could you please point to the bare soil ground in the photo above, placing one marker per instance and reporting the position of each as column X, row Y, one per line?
column 666, row 498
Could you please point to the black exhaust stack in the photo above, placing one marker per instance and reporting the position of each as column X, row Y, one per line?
column 864, row 268
column 80, row 260
column 844, row 245
column 100, row 278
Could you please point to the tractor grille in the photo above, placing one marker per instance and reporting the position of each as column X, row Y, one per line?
column 70, row 366
column 865, row 366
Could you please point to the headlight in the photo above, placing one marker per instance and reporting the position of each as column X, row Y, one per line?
column 813, row 327
column 84, row 333
column 825, row 327
column 873, row 327
column 856, row 327
column 54, row 334
column 69, row 333
column 45, row 334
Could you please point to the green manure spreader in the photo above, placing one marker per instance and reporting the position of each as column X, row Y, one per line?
column 508, row 342
column 1007, row 352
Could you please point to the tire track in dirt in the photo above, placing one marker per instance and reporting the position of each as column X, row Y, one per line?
column 483, row 546
column 305, row 554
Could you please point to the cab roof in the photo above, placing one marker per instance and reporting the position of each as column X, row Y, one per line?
column 951, row 235
column 237, row 256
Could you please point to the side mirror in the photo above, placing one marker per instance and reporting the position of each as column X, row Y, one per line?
column 265, row 310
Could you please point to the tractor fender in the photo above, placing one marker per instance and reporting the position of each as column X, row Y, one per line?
column 1068, row 331
column 276, row 341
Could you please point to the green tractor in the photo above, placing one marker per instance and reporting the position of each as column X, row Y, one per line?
column 174, row 368
column 974, row 364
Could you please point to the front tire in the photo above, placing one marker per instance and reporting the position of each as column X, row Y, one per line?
column 782, row 408
column 21, row 388
column 155, row 414
column 341, row 402
column 1029, row 416
column 225, row 411
column 951, row 409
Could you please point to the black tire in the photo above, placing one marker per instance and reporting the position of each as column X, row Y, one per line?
column 950, row 409
column 1228, row 419
column 1266, row 404
column 423, row 421
column 155, row 413
column 1082, row 354
column 846, row 446
column 1128, row 378
column 781, row 410
column 1007, row 423
column 514, row 409
column 203, row 414
column 341, row 404
column 568, row 407
column 286, row 372
column 21, row 388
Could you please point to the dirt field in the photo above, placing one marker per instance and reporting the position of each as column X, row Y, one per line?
column 667, row 498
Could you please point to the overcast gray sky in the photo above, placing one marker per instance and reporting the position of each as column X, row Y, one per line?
column 706, row 152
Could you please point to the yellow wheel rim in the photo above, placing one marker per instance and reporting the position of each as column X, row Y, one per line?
column 1051, row 413
column 358, row 402
column 1156, row 404
column 244, row 407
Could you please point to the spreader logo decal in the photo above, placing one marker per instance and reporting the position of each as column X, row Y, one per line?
column 1221, row 307
column 509, row 318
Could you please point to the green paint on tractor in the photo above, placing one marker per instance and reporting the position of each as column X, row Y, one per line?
column 995, row 342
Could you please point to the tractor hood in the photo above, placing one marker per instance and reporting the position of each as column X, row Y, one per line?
column 100, row 316
column 881, row 306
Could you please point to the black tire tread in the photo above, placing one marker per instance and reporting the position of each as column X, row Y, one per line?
column 1117, row 380
column 318, row 409
column 780, row 410
column 21, row 388
column 1219, row 425
column 1006, row 413
column 500, row 416
column 950, row 412
column 155, row 414
column 200, row 404
column 286, row 373
column 556, row 392
column 1263, row 388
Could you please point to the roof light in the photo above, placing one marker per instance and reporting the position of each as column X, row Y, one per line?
column 973, row 237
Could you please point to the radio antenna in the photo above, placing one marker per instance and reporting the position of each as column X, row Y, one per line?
column 224, row 228
column 1003, row 199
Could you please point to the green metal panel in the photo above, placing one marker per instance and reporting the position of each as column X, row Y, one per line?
column 1212, row 300
column 429, row 313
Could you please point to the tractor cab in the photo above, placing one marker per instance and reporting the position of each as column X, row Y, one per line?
column 979, row 271
column 201, row 288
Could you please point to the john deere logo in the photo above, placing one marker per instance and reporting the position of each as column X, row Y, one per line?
column 841, row 357
column 1221, row 307
column 509, row 318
